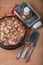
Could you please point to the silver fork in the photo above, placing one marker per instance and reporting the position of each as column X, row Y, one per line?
column 33, row 39
column 26, row 41
column 22, row 48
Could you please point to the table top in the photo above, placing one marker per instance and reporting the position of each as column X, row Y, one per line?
column 8, row 57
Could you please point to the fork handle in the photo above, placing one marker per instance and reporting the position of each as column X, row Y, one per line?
column 20, row 52
column 29, row 55
column 25, row 52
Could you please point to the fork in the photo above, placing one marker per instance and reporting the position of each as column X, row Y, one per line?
column 33, row 39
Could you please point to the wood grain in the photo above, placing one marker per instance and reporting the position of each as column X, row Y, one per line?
column 8, row 57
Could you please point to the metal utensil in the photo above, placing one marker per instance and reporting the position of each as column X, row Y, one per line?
column 20, row 52
column 34, row 41
column 31, row 40
column 21, row 49
column 25, row 51
column 26, row 40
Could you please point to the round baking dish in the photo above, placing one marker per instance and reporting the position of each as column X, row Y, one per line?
column 10, row 47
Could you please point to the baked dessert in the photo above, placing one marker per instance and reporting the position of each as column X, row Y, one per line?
column 12, row 31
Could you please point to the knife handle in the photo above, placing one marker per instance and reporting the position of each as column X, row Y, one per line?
column 25, row 52
column 20, row 52
column 29, row 55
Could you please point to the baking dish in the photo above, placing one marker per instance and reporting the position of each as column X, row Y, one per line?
column 10, row 47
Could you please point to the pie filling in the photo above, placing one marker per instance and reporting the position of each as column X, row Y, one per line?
column 12, row 31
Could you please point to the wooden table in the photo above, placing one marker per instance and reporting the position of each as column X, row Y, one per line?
column 8, row 57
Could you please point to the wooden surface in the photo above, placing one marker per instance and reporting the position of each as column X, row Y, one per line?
column 8, row 57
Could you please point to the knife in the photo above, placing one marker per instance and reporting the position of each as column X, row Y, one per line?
column 35, row 39
column 22, row 48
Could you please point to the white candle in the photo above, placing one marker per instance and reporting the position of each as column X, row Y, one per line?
column 26, row 11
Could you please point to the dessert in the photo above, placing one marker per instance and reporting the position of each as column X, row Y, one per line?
column 12, row 31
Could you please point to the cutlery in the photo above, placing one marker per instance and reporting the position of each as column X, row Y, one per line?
column 22, row 48
column 35, row 39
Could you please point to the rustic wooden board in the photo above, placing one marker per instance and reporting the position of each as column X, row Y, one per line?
column 8, row 57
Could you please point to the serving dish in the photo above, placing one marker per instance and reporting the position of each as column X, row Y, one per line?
column 16, row 26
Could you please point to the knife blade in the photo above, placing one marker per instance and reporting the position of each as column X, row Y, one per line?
column 35, row 39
